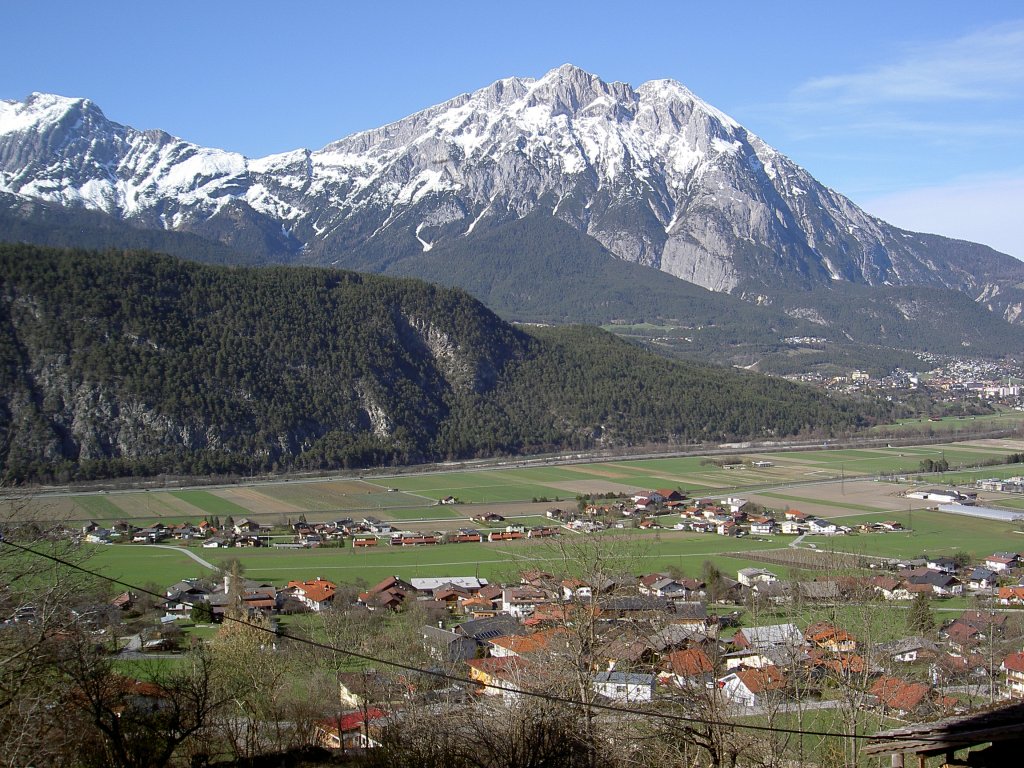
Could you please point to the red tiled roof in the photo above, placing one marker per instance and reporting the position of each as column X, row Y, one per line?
column 353, row 721
column 961, row 632
column 838, row 664
column 317, row 590
column 519, row 644
column 1014, row 662
column 832, row 634
column 899, row 694
column 888, row 583
column 982, row 619
column 388, row 583
column 690, row 663
column 768, row 678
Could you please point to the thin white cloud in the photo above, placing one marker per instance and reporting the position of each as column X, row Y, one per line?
column 980, row 209
column 935, row 130
column 986, row 65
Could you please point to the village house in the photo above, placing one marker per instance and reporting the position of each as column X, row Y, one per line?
column 482, row 631
column 942, row 564
column 348, row 732
column 623, row 652
column 152, row 534
column 772, row 592
column 1013, row 595
column 937, row 582
column 734, row 504
column 625, row 687
column 982, row 578
column 388, row 594
column 98, row 535
column 909, row 650
column 673, row 637
column 762, row 526
column 575, row 590
column 550, row 640
column 503, row 676
column 957, row 668
column 791, row 527
column 750, row 576
column 316, row 594
column 820, row 591
column 820, row 527
column 899, row 696
column 521, row 601
column 829, row 637
column 1013, row 667
column 772, row 635
column 887, row 586
column 245, row 525
column 660, row 585
column 689, row 668
column 445, row 646
column 751, row 687
column 375, row 525
column 727, row 527
column 1002, row 561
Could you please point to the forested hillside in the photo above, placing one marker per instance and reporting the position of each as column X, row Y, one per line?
column 127, row 363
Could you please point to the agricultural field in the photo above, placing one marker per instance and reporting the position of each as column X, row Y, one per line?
column 828, row 483
column 634, row 551
column 416, row 497
column 930, row 533
column 953, row 425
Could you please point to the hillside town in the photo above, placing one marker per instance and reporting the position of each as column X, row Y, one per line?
column 744, row 643
column 946, row 379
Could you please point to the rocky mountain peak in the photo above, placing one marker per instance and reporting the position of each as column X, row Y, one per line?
column 654, row 174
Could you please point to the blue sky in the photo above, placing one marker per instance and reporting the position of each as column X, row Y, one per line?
column 915, row 110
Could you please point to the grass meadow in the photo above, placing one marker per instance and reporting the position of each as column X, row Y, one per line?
column 634, row 551
column 797, row 479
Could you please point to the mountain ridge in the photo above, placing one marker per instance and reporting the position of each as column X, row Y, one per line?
column 654, row 174
column 128, row 363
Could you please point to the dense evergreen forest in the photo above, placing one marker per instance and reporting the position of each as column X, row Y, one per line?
column 120, row 363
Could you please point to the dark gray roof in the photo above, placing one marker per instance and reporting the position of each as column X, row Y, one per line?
column 690, row 610
column 624, row 678
column 494, row 626
column 634, row 603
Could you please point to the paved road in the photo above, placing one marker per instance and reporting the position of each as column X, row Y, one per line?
column 193, row 555
column 738, row 709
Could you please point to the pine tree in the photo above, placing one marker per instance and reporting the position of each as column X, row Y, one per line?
column 921, row 619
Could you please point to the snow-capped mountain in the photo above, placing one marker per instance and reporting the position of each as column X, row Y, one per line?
column 654, row 174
